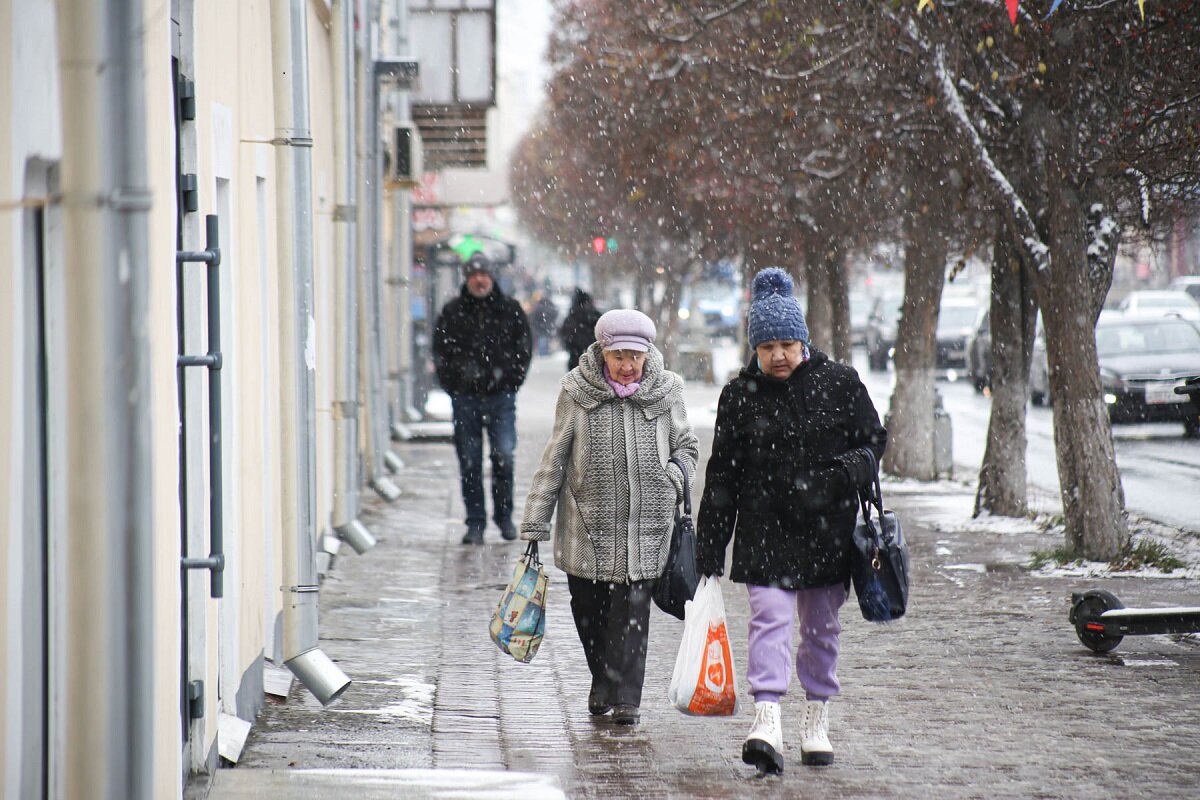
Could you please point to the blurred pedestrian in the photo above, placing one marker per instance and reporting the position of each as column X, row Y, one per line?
column 796, row 438
column 481, row 350
column 544, row 319
column 578, row 329
column 620, row 417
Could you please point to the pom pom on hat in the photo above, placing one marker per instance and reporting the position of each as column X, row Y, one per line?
column 775, row 313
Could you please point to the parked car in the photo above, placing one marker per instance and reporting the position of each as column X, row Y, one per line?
column 880, row 334
column 860, row 311
column 1187, row 283
column 1039, row 371
column 979, row 353
column 957, row 320
column 1141, row 363
column 1156, row 302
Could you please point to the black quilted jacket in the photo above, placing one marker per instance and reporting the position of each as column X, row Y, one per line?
column 482, row 346
column 781, row 481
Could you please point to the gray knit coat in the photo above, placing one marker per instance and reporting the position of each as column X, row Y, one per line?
column 606, row 470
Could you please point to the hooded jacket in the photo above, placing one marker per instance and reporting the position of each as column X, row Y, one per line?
column 787, row 461
column 482, row 345
column 606, row 470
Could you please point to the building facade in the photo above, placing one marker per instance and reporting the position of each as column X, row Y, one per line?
column 192, row 312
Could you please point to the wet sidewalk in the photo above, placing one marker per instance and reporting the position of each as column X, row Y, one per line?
column 981, row 691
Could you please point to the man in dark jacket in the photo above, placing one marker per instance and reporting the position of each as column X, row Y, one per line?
column 481, row 350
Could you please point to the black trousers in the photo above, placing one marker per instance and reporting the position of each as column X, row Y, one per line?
column 613, row 621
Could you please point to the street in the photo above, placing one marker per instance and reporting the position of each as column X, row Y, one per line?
column 1160, row 470
column 981, row 691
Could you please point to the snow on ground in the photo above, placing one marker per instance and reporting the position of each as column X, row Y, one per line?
column 953, row 501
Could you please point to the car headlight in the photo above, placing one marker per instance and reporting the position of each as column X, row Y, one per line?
column 1110, row 380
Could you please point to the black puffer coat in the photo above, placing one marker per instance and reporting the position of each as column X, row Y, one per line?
column 482, row 346
column 786, row 464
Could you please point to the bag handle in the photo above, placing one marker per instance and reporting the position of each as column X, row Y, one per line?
column 868, row 498
column 687, row 484
column 531, row 554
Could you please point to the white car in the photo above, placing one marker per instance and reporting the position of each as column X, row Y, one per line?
column 1187, row 283
column 1157, row 302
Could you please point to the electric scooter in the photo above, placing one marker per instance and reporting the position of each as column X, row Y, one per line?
column 1101, row 621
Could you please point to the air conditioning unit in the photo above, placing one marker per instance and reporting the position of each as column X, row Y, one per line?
column 404, row 156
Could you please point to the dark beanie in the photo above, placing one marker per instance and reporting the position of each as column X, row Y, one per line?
column 775, row 313
column 478, row 263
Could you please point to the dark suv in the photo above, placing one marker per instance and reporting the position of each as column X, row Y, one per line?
column 979, row 353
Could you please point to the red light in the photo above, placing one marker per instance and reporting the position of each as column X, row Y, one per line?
column 599, row 244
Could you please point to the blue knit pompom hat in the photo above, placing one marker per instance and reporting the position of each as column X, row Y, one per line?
column 775, row 313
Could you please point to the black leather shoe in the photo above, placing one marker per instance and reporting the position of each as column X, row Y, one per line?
column 598, row 704
column 473, row 535
column 508, row 531
column 625, row 714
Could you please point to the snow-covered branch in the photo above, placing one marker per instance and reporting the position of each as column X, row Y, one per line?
column 1027, row 232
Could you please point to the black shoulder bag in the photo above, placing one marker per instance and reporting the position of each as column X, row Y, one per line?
column 880, row 559
column 678, row 582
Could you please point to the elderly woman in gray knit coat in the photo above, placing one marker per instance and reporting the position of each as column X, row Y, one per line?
column 620, row 418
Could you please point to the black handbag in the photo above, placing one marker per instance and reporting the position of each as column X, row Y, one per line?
column 679, row 579
column 879, row 566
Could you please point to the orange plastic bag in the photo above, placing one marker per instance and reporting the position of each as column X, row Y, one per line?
column 704, row 681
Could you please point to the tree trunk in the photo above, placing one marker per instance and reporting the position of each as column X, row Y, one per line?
column 910, row 447
column 816, row 312
column 839, row 306
column 1092, row 496
column 828, row 306
column 1013, row 319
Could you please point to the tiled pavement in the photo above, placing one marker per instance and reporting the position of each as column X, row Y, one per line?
column 982, row 691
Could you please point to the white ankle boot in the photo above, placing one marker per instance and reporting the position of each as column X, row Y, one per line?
column 815, row 749
column 764, row 745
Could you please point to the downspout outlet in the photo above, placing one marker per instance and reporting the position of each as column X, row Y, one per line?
column 319, row 674
column 385, row 488
column 356, row 535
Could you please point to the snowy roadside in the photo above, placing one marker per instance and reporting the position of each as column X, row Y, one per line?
column 951, row 502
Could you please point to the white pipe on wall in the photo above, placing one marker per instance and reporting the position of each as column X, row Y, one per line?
column 345, row 406
column 293, row 163
column 105, row 745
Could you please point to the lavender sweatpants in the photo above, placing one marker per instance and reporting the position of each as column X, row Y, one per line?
column 770, row 644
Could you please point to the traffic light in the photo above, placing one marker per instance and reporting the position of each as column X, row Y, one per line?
column 604, row 244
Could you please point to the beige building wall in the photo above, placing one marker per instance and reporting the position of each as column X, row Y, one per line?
column 160, row 139
column 9, row 220
column 30, row 133
column 234, row 159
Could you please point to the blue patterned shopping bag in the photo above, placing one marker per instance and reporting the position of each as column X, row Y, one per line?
column 519, row 621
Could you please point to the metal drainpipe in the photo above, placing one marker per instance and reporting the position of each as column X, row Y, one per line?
column 345, row 407
column 106, row 741
column 293, row 164
column 402, row 265
column 378, row 435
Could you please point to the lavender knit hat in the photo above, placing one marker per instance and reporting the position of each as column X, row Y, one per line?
column 775, row 313
column 625, row 329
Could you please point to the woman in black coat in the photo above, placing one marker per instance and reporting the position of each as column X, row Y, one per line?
column 796, row 437
column 578, row 329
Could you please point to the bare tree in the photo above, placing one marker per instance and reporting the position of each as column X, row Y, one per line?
column 1012, row 320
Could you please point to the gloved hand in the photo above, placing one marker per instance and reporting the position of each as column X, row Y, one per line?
column 860, row 467
column 709, row 567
